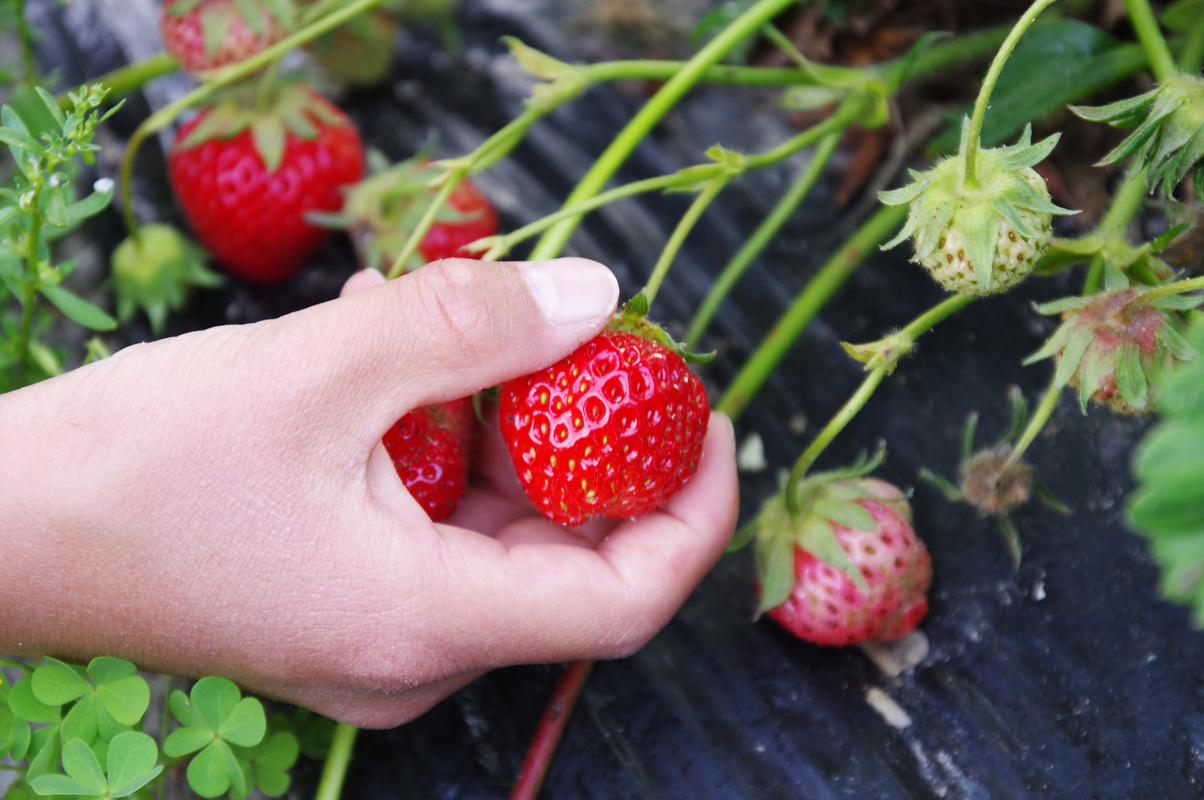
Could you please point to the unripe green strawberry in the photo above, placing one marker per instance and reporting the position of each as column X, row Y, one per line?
column 1113, row 346
column 983, row 235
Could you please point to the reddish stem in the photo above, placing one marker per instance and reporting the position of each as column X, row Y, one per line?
column 551, row 726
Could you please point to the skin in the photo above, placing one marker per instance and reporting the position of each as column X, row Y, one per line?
column 220, row 503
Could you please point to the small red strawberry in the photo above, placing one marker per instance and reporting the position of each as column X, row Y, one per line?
column 430, row 447
column 246, row 179
column 382, row 211
column 613, row 430
column 207, row 34
column 844, row 567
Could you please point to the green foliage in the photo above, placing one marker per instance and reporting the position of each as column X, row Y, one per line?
column 40, row 204
column 1168, row 503
column 77, row 731
column 1068, row 59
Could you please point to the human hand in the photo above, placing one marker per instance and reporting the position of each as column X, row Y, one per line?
column 220, row 503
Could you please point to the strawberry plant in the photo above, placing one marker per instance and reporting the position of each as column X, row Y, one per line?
column 615, row 429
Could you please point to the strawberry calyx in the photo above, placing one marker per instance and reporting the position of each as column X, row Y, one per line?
column 822, row 500
column 1167, row 138
column 293, row 109
column 1114, row 346
column 633, row 319
column 381, row 211
column 1007, row 197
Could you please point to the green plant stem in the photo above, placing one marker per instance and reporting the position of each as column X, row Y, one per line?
column 30, row 288
column 428, row 218
column 912, row 331
column 1145, row 25
column 124, row 80
column 217, row 80
column 551, row 727
column 756, row 370
column 988, row 84
column 620, row 148
column 1191, row 54
column 338, row 757
column 761, row 237
column 678, row 237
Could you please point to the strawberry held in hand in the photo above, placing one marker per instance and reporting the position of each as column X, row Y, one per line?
column 245, row 179
column 613, row 430
column 846, row 566
column 207, row 34
column 430, row 447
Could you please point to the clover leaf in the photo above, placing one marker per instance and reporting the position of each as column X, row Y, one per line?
column 14, row 731
column 271, row 760
column 131, row 764
column 113, row 700
column 216, row 718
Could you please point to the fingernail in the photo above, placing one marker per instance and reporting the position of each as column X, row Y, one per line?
column 570, row 290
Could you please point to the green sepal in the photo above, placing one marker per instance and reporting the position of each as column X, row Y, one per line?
column 632, row 318
column 269, row 137
column 1131, row 381
column 155, row 270
column 1076, row 346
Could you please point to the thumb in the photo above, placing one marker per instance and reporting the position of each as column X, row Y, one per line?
column 447, row 330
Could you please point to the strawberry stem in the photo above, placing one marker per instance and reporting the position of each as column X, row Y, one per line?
column 551, row 727
column 756, row 370
column 1145, row 25
column 448, row 186
column 988, row 85
column 912, row 331
column 683, row 80
column 684, row 226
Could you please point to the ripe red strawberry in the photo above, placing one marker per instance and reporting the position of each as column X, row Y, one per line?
column 613, row 430
column 382, row 211
column 430, row 449
column 206, row 34
column 827, row 606
column 246, row 179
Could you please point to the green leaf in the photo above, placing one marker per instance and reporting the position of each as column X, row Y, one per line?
column 23, row 703
column 91, row 205
column 131, row 763
column 246, row 724
column 55, row 683
column 183, row 741
column 216, row 770
column 1068, row 59
column 77, row 309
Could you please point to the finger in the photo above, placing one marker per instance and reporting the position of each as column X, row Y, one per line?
column 548, row 600
column 446, row 330
column 364, row 279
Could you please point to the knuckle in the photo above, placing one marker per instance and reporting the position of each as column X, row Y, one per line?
column 452, row 304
